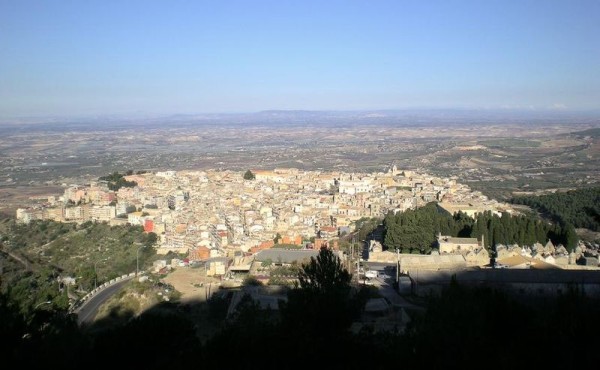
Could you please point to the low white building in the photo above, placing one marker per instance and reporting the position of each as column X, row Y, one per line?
column 450, row 244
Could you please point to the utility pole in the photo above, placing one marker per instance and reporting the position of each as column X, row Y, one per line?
column 351, row 260
column 398, row 265
column 96, row 274
column 358, row 270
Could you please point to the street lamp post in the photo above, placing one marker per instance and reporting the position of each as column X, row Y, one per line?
column 95, row 271
column 137, row 259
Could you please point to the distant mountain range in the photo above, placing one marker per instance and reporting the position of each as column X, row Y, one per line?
column 310, row 117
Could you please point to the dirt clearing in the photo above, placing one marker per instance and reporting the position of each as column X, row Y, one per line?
column 192, row 284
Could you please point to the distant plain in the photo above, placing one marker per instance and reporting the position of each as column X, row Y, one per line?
column 498, row 154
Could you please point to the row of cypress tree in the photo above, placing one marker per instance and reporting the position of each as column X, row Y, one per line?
column 414, row 231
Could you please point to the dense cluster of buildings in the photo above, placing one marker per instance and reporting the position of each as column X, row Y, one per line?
column 231, row 224
column 217, row 213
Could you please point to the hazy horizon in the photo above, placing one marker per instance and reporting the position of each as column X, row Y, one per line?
column 281, row 115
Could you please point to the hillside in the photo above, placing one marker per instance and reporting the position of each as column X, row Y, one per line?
column 90, row 252
column 580, row 208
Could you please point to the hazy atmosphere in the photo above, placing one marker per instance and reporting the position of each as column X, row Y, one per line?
column 293, row 184
column 144, row 57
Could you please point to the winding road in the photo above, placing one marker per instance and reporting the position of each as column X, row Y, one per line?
column 88, row 310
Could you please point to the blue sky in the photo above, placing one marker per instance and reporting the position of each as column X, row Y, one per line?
column 162, row 57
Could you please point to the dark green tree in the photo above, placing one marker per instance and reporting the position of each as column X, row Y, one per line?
column 115, row 181
column 320, row 307
column 577, row 207
column 325, row 275
column 570, row 237
column 249, row 175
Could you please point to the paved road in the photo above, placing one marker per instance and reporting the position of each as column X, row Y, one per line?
column 380, row 266
column 385, row 283
column 87, row 312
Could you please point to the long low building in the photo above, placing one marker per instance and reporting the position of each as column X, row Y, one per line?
column 469, row 209
column 285, row 256
column 528, row 283
column 450, row 244
column 410, row 262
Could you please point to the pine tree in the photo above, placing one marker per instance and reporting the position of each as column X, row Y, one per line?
column 570, row 237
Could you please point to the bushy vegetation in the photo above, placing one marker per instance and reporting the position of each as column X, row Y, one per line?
column 27, row 289
column 580, row 208
column 36, row 233
column 117, row 181
column 365, row 226
column 90, row 252
column 251, row 281
column 285, row 271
